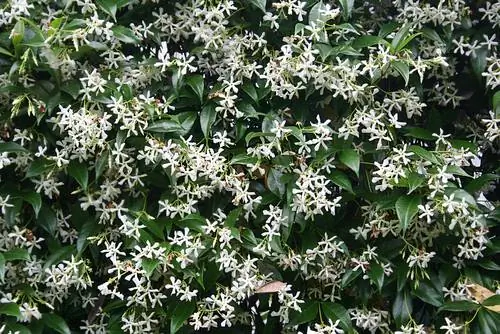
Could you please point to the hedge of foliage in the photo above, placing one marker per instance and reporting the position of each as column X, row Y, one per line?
column 235, row 166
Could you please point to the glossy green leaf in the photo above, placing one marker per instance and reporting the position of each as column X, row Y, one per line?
column 428, row 293
column 260, row 4
column 402, row 308
column 207, row 119
column 496, row 104
column 478, row 61
column 11, row 309
column 149, row 265
column 102, row 161
column 423, row 153
column 274, row 183
column 347, row 7
column 334, row 312
column 108, row 6
column 403, row 70
column 365, row 41
column 308, row 313
column 47, row 220
column 35, row 199
column 196, row 83
column 414, row 181
column 39, row 167
column 18, row 33
column 351, row 159
column 349, row 276
column 124, row 34
column 489, row 265
column 341, row 180
column 5, row 52
column 376, row 274
column 488, row 322
column 492, row 301
column 400, row 36
column 11, row 147
column 250, row 90
column 55, row 322
column 406, row 209
column 316, row 14
column 179, row 124
column 16, row 254
column 79, row 171
column 2, row 267
column 180, row 314
column 459, row 306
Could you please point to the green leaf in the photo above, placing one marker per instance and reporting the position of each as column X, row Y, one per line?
column 108, row 6
column 402, row 308
column 459, row 306
column 340, row 179
column 406, row 209
column 17, row 34
column 11, row 309
column 414, row 181
column 426, row 292
column 149, row 265
column 56, row 323
column 489, row 265
column 423, row 153
column 2, row 267
column 403, row 70
column 16, row 254
column 496, row 104
column 47, row 220
column 39, row 167
column 432, row 35
column 197, row 85
column 274, row 183
column 59, row 255
column 243, row 159
column 349, row 276
column 308, row 313
column 88, row 229
column 478, row 61
column 101, row 163
column 260, row 4
column 316, row 14
column 480, row 182
column 181, row 313
column 400, row 36
column 351, row 159
column 488, row 322
column 249, row 89
column 125, row 35
column 11, row 147
column 207, row 119
column 233, row 217
column 492, row 301
column 5, row 52
column 72, row 87
column 347, row 7
column 387, row 29
column 79, row 171
column 457, row 170
column 178, row 124
column 334, row 312
column 35, row 200
column 366, row 41
column 376, row 274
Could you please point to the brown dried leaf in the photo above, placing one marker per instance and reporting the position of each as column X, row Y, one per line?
column 271, row 287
